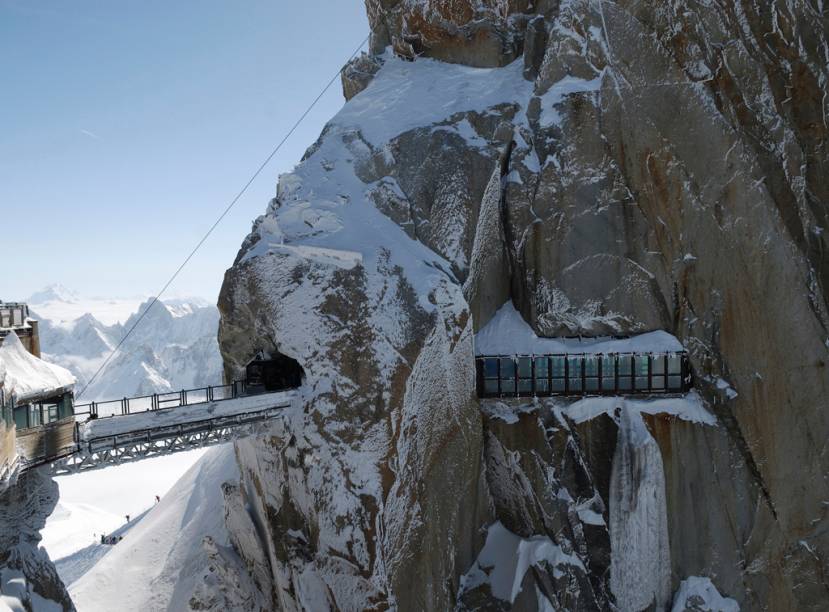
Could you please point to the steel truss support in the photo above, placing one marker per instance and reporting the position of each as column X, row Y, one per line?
column 126, row 448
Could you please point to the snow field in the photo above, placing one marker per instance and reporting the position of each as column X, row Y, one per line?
column 156, row 566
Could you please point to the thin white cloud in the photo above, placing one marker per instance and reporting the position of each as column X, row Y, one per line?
column 90, row 134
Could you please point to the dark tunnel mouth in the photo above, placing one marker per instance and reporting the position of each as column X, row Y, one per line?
column 276, row 372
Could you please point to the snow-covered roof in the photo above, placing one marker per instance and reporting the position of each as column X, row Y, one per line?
column 509, row 334
column 27, row 376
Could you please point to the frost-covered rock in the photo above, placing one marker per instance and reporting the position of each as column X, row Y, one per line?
column 698, row 594
column 659, row 167
column 28, row 578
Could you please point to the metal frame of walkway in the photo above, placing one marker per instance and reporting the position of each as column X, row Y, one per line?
column 218, row 414
column 103, row 451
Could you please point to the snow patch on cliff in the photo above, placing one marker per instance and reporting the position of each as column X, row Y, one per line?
column 407, row 95
column 506, row 558
column 689, row 407
column 162, row 560
column 699, row 593
column 507, row 333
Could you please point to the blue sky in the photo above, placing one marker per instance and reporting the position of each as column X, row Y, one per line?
column 128, row 126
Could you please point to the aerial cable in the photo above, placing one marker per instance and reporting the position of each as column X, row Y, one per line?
column 219, row 220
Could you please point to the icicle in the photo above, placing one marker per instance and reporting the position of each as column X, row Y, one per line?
column 640, row 570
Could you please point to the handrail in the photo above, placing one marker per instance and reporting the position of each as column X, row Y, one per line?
column 159, row 401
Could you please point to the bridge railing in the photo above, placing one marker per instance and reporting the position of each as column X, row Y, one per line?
column 160, row 401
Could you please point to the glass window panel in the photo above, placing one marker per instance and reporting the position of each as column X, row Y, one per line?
column 541, row 367
column 658, row 382
column 675, row 382
column 591, row 365
column 608, row 366
column 624, row 365
column 18, row 317
column 658, row 364
column 490, row 368
column 508, row 386
column 575, row 384
column 507, row 368
column 641, row 383
column 574, row 365
column 591, row 384
column 558, row 367
column 624, row 383
column 642, row 365
column 20, row 414
column 491, row 386
column 542, row 387
column 675, row 363
column 525, row 367
column 558, row 385
column 525, row 385
column 608, row 383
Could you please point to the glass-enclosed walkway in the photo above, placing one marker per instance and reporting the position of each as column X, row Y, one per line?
column 582, row 374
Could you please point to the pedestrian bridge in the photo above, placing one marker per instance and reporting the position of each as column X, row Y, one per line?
column 100, row 434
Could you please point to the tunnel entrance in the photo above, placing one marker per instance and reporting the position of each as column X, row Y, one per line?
column 275, row 373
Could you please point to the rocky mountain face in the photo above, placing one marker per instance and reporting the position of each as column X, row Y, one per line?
column 28, row 578
column 174, row 348
column 608, row 168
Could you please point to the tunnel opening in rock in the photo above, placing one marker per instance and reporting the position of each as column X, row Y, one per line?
column 276, row 372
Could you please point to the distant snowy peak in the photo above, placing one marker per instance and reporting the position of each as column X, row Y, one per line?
column 173, row 347
column 53, row 293
column 180, row 307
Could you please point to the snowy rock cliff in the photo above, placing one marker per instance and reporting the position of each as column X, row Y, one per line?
column 28, row 578
column 609, row 168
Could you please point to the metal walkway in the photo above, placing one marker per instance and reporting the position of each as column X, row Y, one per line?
column 69, row 446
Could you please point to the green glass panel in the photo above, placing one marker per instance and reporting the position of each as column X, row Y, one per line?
column 625, row 365
column 541, row 367
column 558, row 366
column 674, row 363
column 507, row 368
column 525, row 367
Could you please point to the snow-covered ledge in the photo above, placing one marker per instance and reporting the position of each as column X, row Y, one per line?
column 507, row 333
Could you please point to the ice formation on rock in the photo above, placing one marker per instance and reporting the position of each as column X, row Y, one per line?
column 640, row 566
